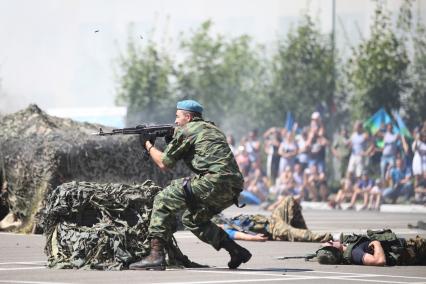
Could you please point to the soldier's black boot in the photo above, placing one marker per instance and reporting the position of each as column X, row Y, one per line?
column 238, row 253
column 156, row 259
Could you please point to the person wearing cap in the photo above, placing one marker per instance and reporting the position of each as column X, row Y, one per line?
column 215, row 186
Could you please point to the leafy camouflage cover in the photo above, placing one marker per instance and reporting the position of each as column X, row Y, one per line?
column 101, row 226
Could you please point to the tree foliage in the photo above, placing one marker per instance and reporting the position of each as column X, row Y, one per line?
column 302, row 71
column 144, row 82
column 377, row 69
column 225, row 75
column 416, row 103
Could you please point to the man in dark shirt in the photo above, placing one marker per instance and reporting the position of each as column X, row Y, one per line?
column 368, row 253
column 365, row 253
column 376, row 248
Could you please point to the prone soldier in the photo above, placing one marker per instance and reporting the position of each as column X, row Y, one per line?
column 376, row 248
column 286, row 223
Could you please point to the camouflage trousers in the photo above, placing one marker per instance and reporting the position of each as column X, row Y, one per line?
column 287, row 224
column 211, row 199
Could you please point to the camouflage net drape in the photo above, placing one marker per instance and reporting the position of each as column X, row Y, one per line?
column 38, row 152
column 101, row 226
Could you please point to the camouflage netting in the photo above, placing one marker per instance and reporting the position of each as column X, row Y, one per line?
column 38, row 152
column 101, row 226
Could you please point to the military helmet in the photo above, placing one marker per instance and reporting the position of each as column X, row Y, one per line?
column 329, row 255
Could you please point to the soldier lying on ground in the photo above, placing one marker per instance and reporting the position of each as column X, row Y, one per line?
column 285, row 224
column 376, row 248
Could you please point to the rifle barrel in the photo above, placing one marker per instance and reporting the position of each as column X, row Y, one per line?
column 159, row 130
column 306, row 257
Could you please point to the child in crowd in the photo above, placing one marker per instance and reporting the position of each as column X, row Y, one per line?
column 376, row 195
column 345, row 192
column 316, row 183
column 363, row 187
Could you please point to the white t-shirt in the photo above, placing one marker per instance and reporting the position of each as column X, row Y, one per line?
column 390, row 140
column 419, row 160
column 358, row 143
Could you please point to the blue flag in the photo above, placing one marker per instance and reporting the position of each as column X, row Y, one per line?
column 403, row 129
column 381, row 117
column 289, row 122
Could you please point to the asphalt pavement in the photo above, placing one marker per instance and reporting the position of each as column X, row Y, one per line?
column 22, row 259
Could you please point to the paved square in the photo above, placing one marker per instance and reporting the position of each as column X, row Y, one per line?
column 22, row 259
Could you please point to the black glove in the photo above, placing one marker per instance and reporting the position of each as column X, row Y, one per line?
column 145, row 137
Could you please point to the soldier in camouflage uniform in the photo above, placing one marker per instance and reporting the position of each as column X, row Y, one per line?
column 285, row 224
column 216, row 186
column 376, row 248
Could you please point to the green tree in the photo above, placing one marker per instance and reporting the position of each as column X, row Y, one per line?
column 377, row 69
column 415, row 105
column 302, row 74
column 144, row 83
column 225, row 75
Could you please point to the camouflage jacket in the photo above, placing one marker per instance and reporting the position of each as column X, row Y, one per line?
column 204, row 149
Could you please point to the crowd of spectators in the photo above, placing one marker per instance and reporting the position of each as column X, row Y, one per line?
column 382, row 168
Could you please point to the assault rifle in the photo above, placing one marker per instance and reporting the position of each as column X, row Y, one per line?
column 145, row 132
column 307, row 257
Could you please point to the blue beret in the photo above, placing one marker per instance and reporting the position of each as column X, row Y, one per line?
column 190, row 105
